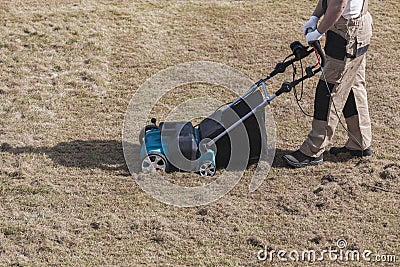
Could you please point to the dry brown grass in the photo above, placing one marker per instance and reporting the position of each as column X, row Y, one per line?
column 68, row 71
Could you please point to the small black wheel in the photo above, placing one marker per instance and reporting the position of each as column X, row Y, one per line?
column 207, row 168
column 144, row 131
column 154, row 162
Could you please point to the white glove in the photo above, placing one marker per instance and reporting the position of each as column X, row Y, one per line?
column 313, row 36
column 311, row 23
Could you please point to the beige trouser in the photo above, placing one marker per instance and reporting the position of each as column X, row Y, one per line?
column 343, row 76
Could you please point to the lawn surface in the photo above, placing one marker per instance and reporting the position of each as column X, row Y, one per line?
column 68, row 71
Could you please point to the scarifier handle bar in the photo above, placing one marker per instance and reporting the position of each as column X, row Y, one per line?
column 317, row 46
column 288, row 86
column 299, row 52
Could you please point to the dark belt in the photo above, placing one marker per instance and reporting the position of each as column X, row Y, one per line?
column 360, row 51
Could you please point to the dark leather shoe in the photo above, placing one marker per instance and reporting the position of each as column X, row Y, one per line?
column 298, row 160
column 355, row 153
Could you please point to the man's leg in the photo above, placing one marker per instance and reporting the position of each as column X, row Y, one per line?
column 331, row 94
column 325, row 118
column 356, row 108
column 339, row 77
column 357, row 114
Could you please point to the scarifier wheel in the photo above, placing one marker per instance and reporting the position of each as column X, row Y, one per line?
column 154, row 162
column 207, row 168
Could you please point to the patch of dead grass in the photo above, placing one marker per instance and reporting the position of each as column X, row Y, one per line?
column 68, row 71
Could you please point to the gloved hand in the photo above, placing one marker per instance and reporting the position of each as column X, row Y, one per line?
column 313, row 36
column 311, row 23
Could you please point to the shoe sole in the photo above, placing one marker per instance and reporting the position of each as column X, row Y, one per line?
column 338, row 150
column 358, row 154
column 353, row 153
column 301, row 165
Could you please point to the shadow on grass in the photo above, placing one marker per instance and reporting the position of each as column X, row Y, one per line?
column 88, row 154
column 104, row 154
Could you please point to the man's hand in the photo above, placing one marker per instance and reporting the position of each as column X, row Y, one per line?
column 311, row 23
column 313, row 36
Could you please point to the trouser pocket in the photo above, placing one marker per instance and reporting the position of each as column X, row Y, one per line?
column 362, row 38
column 349, row 40
column 361, row 45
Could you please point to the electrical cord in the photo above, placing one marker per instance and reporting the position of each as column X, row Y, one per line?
column 301, row 91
